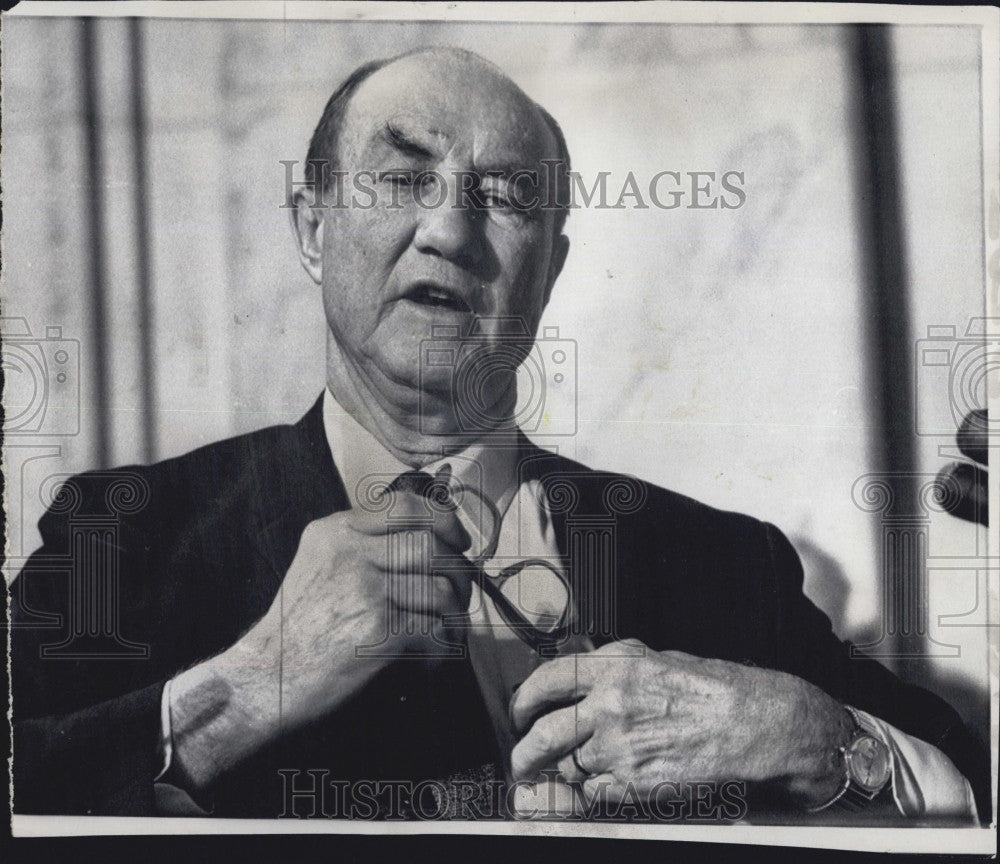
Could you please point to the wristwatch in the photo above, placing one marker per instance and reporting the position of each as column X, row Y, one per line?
column 867, row 767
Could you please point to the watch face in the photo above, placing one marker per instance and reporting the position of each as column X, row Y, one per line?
column 868, row 763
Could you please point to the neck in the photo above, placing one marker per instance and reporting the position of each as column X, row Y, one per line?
column 414, row 431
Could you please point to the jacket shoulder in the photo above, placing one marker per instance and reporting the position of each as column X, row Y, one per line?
column 171, row 485
column 625, row 495
column 680, row 566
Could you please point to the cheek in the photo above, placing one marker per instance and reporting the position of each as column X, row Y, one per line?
column 359, row 253
column 524, row 261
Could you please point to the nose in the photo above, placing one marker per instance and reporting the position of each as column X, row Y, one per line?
column 449, row 225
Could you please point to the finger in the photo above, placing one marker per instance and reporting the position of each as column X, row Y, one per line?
column 970, row 500
column 378, row 518
column 417, row 549
column 460, row 573
column 406, row 556
column 547, row 800
column 581, row 762
column 423, row 594
column 604, row 787
column 973, row 436
column 410, row 511
column 569, row 770
column 551, row 737
column 553, row 684
column 448, row 529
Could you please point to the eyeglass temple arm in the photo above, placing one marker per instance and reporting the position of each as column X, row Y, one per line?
column 522, row 627
column 495, row 519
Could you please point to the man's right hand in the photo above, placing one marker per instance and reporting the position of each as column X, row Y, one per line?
column 300, row 661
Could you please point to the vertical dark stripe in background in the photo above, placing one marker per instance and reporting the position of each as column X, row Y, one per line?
column 142, row 238
column 885, row 301
column 95, row 227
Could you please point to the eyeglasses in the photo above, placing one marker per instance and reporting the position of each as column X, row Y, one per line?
column 531, row 595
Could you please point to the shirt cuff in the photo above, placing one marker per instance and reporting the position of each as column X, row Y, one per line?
column 925, row 783
column 171, row 800
column 166, row 748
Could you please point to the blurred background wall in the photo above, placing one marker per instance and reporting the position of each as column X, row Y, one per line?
column 727, row 354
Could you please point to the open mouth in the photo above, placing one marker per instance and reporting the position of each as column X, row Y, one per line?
column 436, row 296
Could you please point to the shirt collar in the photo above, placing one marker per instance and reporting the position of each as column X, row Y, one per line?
column 488, row 469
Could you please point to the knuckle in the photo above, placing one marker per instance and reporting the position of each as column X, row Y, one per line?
column 623, row 685
column 607, row 701
column 594, row 751
column 519, row 759
column 538, row 735
column 545, row 733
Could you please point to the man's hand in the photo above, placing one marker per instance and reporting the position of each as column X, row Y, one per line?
column 641, row 720
column 973, row 497
column 300, row 661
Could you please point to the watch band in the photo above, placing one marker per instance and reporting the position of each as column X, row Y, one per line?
column 843, row 786
column 854, row 794
column 861, row 722
column 860, row 793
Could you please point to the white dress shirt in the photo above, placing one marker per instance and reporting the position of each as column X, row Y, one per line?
column 499, row 658
column 924, row 782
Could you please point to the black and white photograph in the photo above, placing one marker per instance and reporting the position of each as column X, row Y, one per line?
column 566, row 419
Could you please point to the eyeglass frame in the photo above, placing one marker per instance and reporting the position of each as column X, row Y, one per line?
column 442, row 494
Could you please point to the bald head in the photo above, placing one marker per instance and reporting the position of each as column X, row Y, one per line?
column 443, row 86
column 454, row 220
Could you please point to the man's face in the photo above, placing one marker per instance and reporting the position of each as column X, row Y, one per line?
column 417, row 259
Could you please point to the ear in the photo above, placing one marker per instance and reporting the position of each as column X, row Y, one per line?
column 560, row 249
column 307, row 226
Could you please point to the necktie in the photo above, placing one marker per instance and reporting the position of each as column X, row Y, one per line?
column 472, row 788
column 434, row 489
column 498, row 656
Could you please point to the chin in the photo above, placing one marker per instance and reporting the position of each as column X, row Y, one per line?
column 428, row 392
column 418, row 387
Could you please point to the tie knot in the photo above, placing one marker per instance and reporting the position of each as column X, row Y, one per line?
column 435, row 489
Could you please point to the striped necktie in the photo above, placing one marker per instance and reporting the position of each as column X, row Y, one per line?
column 455, row 789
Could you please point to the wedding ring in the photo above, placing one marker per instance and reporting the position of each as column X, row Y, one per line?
column 575, row 753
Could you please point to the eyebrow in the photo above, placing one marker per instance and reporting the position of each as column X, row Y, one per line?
column 400, row 141
column 403, row 143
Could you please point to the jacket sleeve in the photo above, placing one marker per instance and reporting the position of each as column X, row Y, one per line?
column 86, row 696
column 806, row 646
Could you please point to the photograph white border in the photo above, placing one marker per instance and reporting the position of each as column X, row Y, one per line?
column 940, row 840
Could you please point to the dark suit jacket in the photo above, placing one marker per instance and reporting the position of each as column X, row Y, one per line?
column 145, row 571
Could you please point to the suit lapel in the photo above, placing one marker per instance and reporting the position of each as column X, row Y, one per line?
column 577, row 497
column 294, row 483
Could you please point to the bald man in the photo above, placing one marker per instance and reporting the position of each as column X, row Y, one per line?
column 304, row 661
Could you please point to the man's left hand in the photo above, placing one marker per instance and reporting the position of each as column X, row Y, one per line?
column 638, row 717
